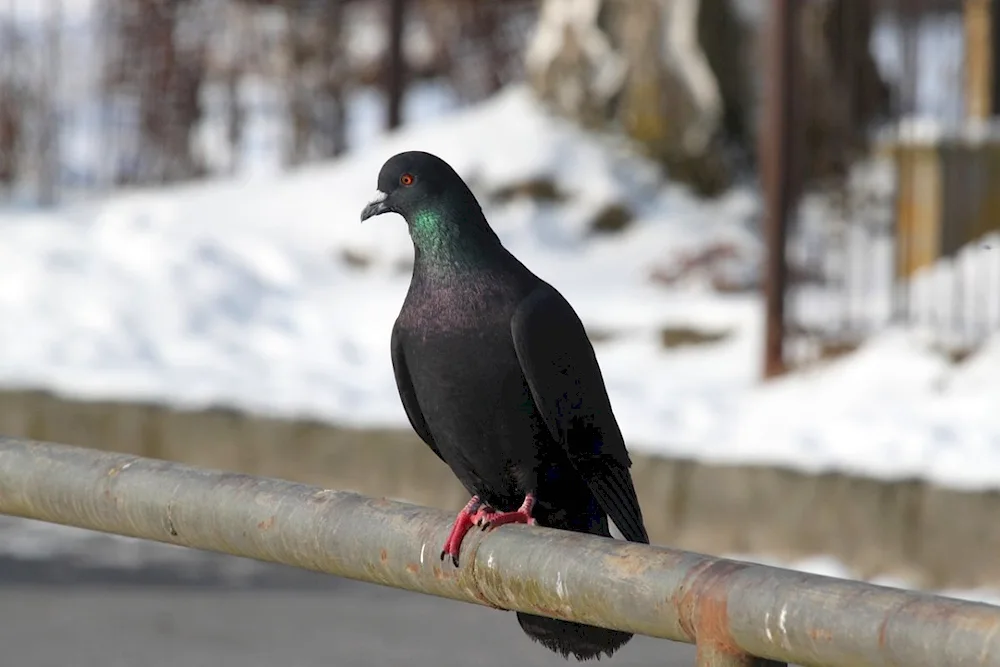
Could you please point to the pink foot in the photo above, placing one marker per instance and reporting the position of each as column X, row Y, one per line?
column 463, row 524
column 476, row 513
column 487, row 518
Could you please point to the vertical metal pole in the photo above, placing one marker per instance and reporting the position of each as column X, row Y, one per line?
column 396, row 64
column 776, row 175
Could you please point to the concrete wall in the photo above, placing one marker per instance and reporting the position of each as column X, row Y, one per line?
column 937, row 537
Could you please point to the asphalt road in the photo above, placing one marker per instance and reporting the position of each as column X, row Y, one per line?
column 75, row 599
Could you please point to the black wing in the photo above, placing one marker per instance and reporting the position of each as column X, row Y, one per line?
column 407, row 394
column 561, row 368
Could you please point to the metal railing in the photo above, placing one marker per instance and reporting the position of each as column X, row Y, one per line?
column 731, row 610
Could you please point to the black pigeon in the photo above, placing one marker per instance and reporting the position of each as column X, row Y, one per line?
column 498, row 377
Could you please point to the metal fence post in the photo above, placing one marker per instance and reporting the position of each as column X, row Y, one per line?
column 777, row 148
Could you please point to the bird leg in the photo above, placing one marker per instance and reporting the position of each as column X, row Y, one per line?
column 463, row 524
column 478, row 513
column 487, row 517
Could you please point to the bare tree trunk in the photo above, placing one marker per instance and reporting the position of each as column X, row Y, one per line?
column 484, row 30
column 478, row 45
column 731, row 57
column 235, row 66
column 110, row 34
column 333, row 62
column 638, row 65
column 12, row 107
column 235, row 116
column 843, row 89
column 48, row 110
column 395, row 71
column 186, row 113
column 681, row 77
column 316, row 81
column 297, row 150
column 10, row 134
column 166, row 79
column 155, row 31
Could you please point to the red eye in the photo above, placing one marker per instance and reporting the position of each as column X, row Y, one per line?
column 406, row 179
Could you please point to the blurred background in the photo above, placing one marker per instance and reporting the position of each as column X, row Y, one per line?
column 778, row 219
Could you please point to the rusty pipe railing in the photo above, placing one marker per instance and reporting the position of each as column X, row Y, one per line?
column 732, row 610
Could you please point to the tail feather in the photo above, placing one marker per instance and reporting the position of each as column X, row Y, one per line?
column 583, row 642
column 613, row 488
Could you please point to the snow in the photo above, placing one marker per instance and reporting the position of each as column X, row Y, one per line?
column 266, row 294
column 894, row 409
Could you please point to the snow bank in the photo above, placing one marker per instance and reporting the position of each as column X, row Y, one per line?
column 268, row 295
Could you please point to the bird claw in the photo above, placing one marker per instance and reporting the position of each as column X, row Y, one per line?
column 463, row 523
column 454, row 556
column 476, row 513
column 488, row 518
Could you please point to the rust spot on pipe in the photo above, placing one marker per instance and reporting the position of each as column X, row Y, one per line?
column 266, row 525
column 821, row 634
column 412, row 568
column 629, row 563
column 702, row 604
column 883, row 628
column 915, row 608
column 684, row 604
column 383, row 555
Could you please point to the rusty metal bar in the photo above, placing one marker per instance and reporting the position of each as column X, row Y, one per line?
column 733, row 610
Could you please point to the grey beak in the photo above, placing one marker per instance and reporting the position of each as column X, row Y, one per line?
column 378, row 206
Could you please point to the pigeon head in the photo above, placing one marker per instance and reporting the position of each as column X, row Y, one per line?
column 444, row 218
column 439, row 208
column 417, row 183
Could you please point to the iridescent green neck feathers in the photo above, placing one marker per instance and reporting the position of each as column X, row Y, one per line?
column 440, row 238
